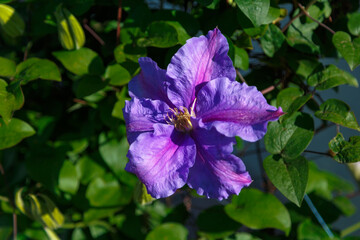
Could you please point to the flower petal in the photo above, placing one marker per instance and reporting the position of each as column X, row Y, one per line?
column 235, row 109
column 216, row 173
column 162, row 159
column 141, row 114
column 200, row 60
column 150, row 82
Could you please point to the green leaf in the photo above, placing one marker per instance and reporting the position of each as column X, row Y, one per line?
column 11, row 98
column 8, row 67
column 324, row 183
column 255, row 10
column 34, row 68
column 129, row 51
column 272, row 41
column 117, row 75
column 213, row 223
column 291, row 100
column 120, row 104
column 106, row 191
column 114, row 151
column 301, row 36
column 256, row 32
column 346, row 152
column 87, row 85
column 309, row 230
column 345, row 205
column 331, row 77
column 287, row 96
column 166, row 231
column 350, row 50
column 305, row 67
column 291, row 137
column 68, row 179
column 241, row 58
column 164, row 34
column 289, row 176
column 354, row 24
column 14, row 132
column 258, row 210
column 87, row 169
column 141, row 195
column 338, row 112
column 81, row 62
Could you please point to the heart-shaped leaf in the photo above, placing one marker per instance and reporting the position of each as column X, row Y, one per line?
column 350, row 50
column 258, row 210
column 289, row 176
column 338, row 112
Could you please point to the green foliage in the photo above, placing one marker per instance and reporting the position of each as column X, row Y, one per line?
column 8, row 67
column 349, row 49
column 81, row 62
column 63, row 141
column 292, row 142
column 34, row 68
column 338, row 112
column 289, row 176
column 214, row 223
column 258, row 210
column 12, row 133
column 168, row 231
column 345, row 152
column 331, row 77
column 256, row 11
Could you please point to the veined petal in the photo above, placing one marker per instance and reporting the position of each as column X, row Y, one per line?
column 150, row 82
column 200, row 60
column 161, row 159
column 235, row 109
column 216, row 173
column 141, row 114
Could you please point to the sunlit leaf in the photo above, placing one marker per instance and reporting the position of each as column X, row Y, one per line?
column 14, row 132
column 350, row 50
column 331, row 77
column 167, row 231
column 36, row 68
column 81, row 62
column 8, row 67
column 256, row 10
column 258, row 210
column 338, row 112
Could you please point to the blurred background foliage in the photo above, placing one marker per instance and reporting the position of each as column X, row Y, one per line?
column 64, row 68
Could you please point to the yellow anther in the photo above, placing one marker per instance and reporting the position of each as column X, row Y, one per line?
column 180, row 119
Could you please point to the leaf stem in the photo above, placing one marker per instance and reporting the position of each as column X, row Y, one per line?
column 350, row 230
column 320, row 153
column 118, row 29
column 291, row 21
column 308, row 15
column 318, row 216
column 240, row 76
column 92, row 32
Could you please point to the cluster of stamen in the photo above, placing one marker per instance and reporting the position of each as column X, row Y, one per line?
column 180, row 119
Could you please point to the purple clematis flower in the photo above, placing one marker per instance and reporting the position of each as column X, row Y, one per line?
column 182, row 122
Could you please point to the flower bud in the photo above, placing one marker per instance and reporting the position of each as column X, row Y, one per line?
column 11, row 24
column 355, row 170
column 71, row 34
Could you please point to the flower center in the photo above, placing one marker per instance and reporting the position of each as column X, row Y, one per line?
column 180, row 119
